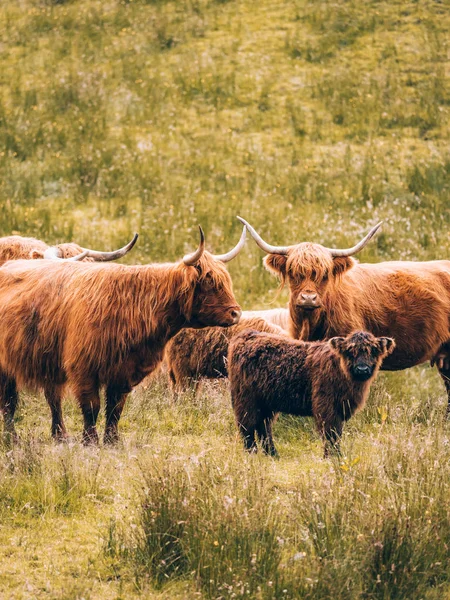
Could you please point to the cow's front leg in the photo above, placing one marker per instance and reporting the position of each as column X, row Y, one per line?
column 115, row 401
column 331, row 432
column 88, row 398
column 53, row 396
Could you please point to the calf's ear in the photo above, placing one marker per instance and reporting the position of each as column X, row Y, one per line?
column 337, row 343
column 36, row 254
column 276, row 263
column 386, row 344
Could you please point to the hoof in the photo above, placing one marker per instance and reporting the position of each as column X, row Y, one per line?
column 111, row 438
column 90, row 438
column 61, row 437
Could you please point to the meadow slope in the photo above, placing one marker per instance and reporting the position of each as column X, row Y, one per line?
column 313, row 120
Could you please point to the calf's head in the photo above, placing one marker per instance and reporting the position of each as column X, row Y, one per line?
column 311, row 271
column 208, row 298
column 361, row 353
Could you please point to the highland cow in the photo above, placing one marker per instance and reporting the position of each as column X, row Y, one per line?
column 195, row 355
column 331, row 294
column 16, row 247
column 329, row 381
column 89, row 326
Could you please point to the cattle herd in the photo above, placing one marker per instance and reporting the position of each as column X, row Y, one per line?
column 70, row 322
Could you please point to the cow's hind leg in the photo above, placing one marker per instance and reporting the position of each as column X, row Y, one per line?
column 89, row 401
column 53, row 396
column 8, row 404
column 442, row 362
column 264, row 432
column 115, row 401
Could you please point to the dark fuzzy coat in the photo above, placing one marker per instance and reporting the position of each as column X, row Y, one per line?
column 271, row 373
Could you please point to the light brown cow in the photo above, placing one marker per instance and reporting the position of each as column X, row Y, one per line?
column 95, row 325
column 16, row 247
column 331, row 294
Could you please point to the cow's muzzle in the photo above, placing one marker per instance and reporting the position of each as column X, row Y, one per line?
column 362, row 372
column 232, row 318
column 308, row 302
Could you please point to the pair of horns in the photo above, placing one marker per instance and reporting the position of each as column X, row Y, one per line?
column 54, row 253
column 333, row 251
column 193, row 258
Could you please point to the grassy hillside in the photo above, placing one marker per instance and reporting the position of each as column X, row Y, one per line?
column 312, row 119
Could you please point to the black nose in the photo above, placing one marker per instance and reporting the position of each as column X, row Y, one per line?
column 363, row 370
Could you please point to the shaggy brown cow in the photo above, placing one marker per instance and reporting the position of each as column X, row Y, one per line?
column 331, row 294
column 94, row 325
column 194, row 355
column 16, row 247
column 327, row 380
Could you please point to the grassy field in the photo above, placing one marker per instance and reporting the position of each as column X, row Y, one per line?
column 313, row 120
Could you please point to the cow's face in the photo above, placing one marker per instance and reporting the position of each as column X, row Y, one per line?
column 213, row 302
column 310, row 271
column 361, row 353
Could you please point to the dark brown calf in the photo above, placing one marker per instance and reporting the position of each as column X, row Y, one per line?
column 193, row 355
column 327, row 380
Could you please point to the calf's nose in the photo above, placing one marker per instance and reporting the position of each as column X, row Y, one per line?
column 362, row 369
column 310, row 297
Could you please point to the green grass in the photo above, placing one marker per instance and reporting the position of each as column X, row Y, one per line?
column 313, row 120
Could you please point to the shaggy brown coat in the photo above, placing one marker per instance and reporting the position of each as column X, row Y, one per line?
column 409, row 301
column 16, row 247
column 327, row 380
column 194, row 355
column 94, row 325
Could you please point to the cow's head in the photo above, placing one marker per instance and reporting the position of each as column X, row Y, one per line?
column 311, row 271
column 208, row 297
column 73, row 252
column 361, row 353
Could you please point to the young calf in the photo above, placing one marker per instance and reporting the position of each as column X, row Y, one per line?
column 327, row 380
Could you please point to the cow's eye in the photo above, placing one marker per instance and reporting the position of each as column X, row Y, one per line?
column 208, row 282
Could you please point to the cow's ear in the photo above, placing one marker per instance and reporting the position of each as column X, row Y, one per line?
column 337, row 343
column 36, row 254
column 386, row 345
column 276, row 263
column 342, row 264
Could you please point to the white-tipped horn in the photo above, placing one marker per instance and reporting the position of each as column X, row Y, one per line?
column 193, row 258
column 261, row 243
column 359, row 246
column 53, row 253
column 114, row 255
column 235, row 251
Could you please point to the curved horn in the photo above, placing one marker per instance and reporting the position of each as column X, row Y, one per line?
column 235, row 251
column 53, row 252
column 261, row 243
column 359, row 246
column 107, row 256
column 192, row 259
